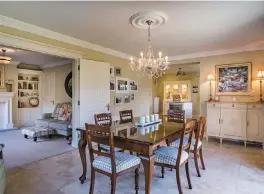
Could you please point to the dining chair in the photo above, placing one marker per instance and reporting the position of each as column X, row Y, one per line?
column 126, row 116
column 111, row 164
column 196, row 146
column 104, row 119
column 176, row 116
column 174, row 158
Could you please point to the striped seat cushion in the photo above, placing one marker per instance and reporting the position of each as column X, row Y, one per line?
column 107, row 147
column 123, row 162
column 168, row 155
column 176, row 143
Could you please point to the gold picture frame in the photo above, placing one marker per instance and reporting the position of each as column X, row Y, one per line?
column 233, row 79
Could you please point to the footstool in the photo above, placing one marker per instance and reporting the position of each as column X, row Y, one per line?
column 37, row 131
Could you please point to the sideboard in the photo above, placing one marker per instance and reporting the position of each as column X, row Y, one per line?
column 238, row 121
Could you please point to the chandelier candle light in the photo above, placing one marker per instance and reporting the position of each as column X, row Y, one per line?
column 147, row 63
column 260, row 77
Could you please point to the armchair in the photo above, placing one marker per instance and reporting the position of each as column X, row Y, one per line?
column 2, row 171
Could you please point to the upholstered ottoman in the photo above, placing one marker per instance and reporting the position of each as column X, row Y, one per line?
column 37, row 131
column 2, row 172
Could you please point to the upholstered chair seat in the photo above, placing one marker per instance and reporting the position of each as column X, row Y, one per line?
column 123, row 161
column 176, row 143
column 107, row 148
column 168, row 155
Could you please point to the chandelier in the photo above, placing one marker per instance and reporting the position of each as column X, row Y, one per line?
column 147, row 63
column 4, row 59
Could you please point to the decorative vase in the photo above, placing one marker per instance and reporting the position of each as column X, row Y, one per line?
column 9, row 87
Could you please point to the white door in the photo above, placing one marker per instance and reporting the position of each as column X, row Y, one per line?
column 94, row 89
column 48, row 92
column 234, row 123
column 213, row 121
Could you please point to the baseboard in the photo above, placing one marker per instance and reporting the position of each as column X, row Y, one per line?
column 11, row 129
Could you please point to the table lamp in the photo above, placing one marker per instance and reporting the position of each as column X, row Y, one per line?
column 260, row 77
column 210, row 78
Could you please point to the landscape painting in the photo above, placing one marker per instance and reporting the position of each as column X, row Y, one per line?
column 233, row 79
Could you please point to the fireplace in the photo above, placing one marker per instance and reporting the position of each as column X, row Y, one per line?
column 6, row 121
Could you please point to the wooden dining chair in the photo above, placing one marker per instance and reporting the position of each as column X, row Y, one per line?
column 196, row 146
column 126, row 116
column 111, row 164
column 174, row 158
column 104, row 119
column 176, row 116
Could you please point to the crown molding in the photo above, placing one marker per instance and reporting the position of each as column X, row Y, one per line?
column 14, row 63
column 249, row 47
column 57, row 63
column 13, row 23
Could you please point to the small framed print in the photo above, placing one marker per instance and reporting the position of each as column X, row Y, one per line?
column 133, row 132
column 121, row 85
column 112, row 84
column 126, row 98
column 117, row 71
column 132, row 96
column 112, row 72
column 118, row 100
column 122, row 133
column 133, row 85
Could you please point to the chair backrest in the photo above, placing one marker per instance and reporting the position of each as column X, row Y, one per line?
column 126, row 116
column 104, row 119
column 176, row 116
column 101, row 135
column 200, row 131
column 188, row 132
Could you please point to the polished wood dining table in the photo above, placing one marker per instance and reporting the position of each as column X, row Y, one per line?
column 141, row 140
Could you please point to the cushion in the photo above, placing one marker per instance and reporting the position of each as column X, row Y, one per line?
column 37, row 131
column 44, row 122
column 2, row 177
column 123, row 162
column 168, row 155
column 176, row 143
column 107, row 147
column 61, row 125
column 65, row 112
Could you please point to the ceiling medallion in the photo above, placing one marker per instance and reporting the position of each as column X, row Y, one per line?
column 4, row 59
column 148, row 63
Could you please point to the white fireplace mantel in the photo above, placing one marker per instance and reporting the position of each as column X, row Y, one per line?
column 6, row 110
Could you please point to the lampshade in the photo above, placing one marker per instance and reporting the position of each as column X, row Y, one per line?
column 260, row 75
column 210, row 76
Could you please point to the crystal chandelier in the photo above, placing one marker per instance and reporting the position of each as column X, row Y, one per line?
column 147, row 63
column 4, row 59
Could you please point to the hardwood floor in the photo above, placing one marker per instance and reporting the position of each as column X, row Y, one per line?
column 230, row 169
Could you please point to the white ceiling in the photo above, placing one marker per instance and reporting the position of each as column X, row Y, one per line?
column 186, row 67
column 192, row 26
column 31, row 57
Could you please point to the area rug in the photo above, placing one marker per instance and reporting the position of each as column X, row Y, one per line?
column 19, row 151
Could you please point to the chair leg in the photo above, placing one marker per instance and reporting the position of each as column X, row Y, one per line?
column 162, row 172
column 131, row 153
column 113, row 185
column 178, row 179
column 99, row 148
column 92, row 182
column 201, row 157
column 188, row 174
column 196, row 163
column 137, row 180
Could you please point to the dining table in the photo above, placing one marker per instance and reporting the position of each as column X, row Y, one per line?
column 141, row 140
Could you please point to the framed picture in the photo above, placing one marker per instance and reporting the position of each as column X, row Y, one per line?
column 122, row 133
column 195, row 86
column 133, row 85
column 126, row 98
column 121, row 85
column 133, row 132
column 112, row 84
column 117, row 71
column 118, row 100
column 233, row 79
column 132, row 96
column 2, row 76
column 112, row 72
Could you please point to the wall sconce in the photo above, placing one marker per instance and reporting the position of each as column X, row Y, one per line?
column 260, row 77
column 210, row 77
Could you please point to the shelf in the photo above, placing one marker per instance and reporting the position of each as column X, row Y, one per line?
column 29, row 89
column 28, row 81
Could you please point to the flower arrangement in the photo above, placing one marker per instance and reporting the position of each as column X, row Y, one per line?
column 9, row 82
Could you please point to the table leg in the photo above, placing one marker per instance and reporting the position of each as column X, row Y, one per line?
column 148, row 163
column 82, row 146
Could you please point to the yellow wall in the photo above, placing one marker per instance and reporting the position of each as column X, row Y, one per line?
column 207, row 65
column 194, row 78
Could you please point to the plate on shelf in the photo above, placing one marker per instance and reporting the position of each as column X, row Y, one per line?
column 34, row 102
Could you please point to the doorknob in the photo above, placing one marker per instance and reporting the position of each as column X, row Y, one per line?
column 108, row 106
